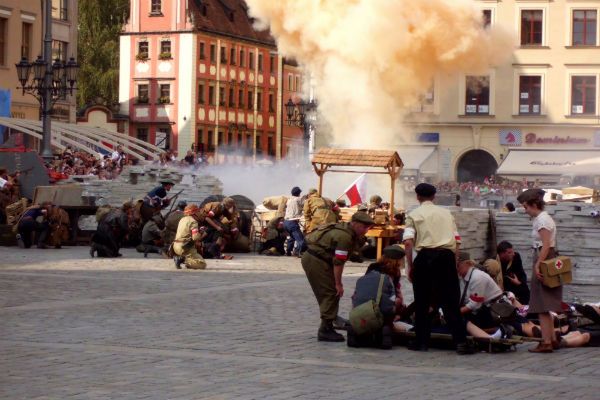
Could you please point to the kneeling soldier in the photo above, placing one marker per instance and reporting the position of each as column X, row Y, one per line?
column 187, row 238
column 323, row 262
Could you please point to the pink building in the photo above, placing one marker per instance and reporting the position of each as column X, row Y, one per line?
column 194, row 74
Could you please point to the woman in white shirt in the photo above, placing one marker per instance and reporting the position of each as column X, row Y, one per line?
column 543, row 299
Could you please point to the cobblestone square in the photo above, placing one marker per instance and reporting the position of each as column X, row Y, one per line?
column 134, row 328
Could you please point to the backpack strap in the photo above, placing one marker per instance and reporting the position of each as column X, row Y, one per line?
column 464, row 293
column 380, row 289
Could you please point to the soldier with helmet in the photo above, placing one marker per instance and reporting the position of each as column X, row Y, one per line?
column 318, row 211
column 374, row 204
column 329, row 247
column 188, row 239
column 221, row 222
column 156, row 199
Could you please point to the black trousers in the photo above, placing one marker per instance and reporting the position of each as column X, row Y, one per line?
column 435, row 283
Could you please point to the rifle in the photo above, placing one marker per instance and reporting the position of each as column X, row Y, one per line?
column 173, row 198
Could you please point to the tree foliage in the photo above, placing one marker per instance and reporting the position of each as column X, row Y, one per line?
column 100, row 23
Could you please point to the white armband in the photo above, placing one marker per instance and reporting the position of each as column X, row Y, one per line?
column 409, row 233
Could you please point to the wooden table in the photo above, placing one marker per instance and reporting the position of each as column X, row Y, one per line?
column 383, row 234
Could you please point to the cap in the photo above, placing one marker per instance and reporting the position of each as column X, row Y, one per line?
column 425, row 190
column 375, row 199
column 363, row 218
column 464, row 256
column 181, row 204
column 167, row 181
column 394, row 252
column 296, row 191
column 531, row 194
column 312, row 191
column 341, row 202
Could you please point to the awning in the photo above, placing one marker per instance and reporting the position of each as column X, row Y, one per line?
column 415, row 156
column 550, row 162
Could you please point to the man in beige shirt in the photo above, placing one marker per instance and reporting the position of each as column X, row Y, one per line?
column 430, row 230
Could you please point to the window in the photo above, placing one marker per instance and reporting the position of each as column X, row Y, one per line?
column 211, row 95
column 584, row 27
column 229, row 138
column 60, row 10
column 240, row 98
column 155, row 7
column 213, row 53
column 3, row 23
column 201, row 52
column 271, row 145
column 250, row 100
column 165, row 50
column 530, row 94
column 260, row 63
column 142, row 50
column 251, row 60
column 583, row 95
column 290, row 83
column 477, row 100
column 201, row 93
column 272, row 65
column 249, row 140
column 59, row 50
column 26, row 40
column 242, row 59
column 220, row 139
column 222, row 95
column 223, row 55
column 258, row 144
column 142, row 94
column 271, row 102
column 200, row 140
column 232, row 56
column 239, row 139
column 298, row 86
column 531, row 27
column 210, row 141
column 142, row 134
column 259, row 101
column 165, row 93
column 487, row 18
column 231, row 98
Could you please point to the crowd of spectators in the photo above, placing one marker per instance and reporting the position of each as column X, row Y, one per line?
column 489, row 185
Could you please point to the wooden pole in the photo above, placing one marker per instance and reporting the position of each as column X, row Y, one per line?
column 393, row 184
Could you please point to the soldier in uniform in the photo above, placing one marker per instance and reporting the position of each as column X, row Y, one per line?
column 275, row 237
column 220, row 220
column 317, row 211
column 374, row 204
column 431, row 232
column 156, row 199
column 172, row 222
column 152, row 236
column 28, row 224
column 328, row 249
column 58, row 220
column 112, row 230
column 188, row 239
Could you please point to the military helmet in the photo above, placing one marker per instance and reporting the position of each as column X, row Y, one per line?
column 181, row 204
column 376, row 199
column 191, row 209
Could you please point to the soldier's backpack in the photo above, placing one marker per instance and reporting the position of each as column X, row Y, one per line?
column 367, row 317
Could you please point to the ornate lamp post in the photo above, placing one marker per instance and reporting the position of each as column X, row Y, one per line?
column 298, row 114
column 49, row 82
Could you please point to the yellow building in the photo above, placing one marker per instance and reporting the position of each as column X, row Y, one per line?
column 544, row 101
column 21, row 35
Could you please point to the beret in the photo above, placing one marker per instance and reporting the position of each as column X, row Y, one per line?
column 296, row 191
column 363, row 218
column 394, row 252
column 425, row 190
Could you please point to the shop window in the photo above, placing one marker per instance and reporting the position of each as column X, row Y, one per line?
column 530, row 94
column 477, row 99
column 532, row 23
column 584, row 27
column 583, row 95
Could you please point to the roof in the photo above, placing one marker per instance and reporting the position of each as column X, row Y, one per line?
column 550, row 162
column 228, row 17
column 362, row 158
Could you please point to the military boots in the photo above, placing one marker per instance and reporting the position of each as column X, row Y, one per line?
column 328, row 334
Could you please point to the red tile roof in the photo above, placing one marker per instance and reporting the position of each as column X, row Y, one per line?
column 230, row 18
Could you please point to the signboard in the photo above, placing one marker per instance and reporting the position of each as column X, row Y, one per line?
column 532, row 138
column 428, row 137
column 511, row 137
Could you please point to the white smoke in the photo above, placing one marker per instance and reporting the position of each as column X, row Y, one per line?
column 373, row 59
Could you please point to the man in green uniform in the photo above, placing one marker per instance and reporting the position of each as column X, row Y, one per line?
column 318, row 211
column 328, row 249
column 187, row 238
column 172, row 222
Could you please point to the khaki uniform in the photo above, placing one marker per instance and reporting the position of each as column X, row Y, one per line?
column 328, row 245
column 317, row 212
column 213, row 210
column 188, row 233
column 171, row 225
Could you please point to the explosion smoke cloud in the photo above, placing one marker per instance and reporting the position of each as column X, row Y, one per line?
column 372, row 59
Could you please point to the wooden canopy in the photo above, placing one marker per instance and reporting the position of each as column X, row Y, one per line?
column 389, row 160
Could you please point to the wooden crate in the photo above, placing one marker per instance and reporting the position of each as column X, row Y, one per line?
column 14, row 211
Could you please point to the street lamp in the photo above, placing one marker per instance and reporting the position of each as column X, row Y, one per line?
column 50, row 81
column 298, row 115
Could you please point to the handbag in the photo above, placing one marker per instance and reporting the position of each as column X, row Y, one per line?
column 367, row 317
column 503, row 311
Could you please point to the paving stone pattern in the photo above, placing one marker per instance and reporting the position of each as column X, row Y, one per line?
column 134, row 328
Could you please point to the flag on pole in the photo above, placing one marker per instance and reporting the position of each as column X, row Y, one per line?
column 357, row 191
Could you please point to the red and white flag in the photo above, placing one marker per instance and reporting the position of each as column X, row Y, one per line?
column 357, row 192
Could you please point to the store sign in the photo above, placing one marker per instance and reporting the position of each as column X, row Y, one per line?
column 511, row 137
column 428, row 137
column 532, row 138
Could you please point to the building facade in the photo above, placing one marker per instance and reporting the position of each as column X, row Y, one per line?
column 293, row 140
column 545, row 98
column 196, row 75
column 21, row 35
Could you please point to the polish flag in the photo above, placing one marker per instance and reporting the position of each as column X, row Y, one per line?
column 357, row 192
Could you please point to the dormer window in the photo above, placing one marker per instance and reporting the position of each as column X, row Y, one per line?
column 155, row 7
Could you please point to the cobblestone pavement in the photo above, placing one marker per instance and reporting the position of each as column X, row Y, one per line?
column 134, row 328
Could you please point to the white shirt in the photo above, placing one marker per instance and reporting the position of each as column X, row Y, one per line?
column 543, row 221
column 481, row 284
column 116, row 156
column 293, row 209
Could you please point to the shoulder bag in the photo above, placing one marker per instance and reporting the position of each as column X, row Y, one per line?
column 367, row 317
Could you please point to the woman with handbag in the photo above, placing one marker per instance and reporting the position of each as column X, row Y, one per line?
column 543, row 299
